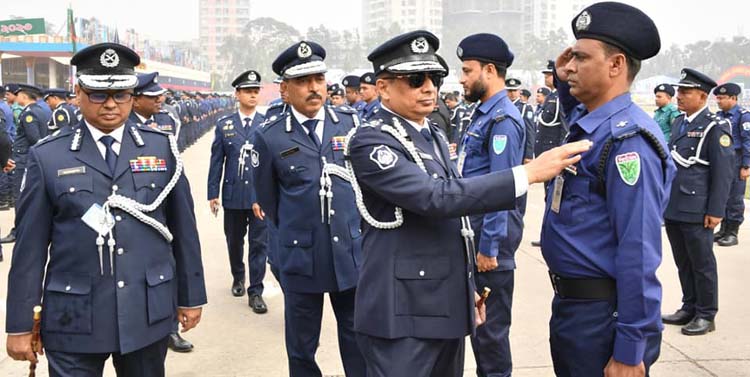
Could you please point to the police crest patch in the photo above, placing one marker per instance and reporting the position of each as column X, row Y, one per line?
column 746, row 126
column 725, row 140
column 583, row 21
column 629, row 167
column 254, row 158
column 29, row 119
column 383, row 157
column 60, row 117
column 109, row 58
column 499, row 142
column 419, row 45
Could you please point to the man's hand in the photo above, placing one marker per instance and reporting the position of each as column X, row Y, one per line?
column 744, row 173
column 258, row 212
column 480, row 313
column 19, row 348
column 550, row 163
column 485, row 263
column 560, row 63
column 189, row 317
column 711, row 222
column 9, row 166
column 615, row 368
column 214, row 204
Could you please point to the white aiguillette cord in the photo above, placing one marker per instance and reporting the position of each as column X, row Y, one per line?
column 138, row 210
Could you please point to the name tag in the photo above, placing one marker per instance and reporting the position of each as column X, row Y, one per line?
column 289, row 152
column 71, row 171
column 696, row 134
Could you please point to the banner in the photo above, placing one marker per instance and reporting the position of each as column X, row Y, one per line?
column 26, row 26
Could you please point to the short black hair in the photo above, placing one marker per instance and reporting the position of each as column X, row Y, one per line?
column 502, row 71
column 451, row 96
column 634, row 65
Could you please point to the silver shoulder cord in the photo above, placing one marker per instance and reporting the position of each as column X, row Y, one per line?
column 138, row 210
column 347, row 173
column 692, row 160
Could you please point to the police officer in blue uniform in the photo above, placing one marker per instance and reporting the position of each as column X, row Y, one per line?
column 230, row 170
column 107, row 238
column 63, row 114
column 369, row 95
column 494, row 142
column 550, row 125
column 416, row 299
column 601, row 235
column 295, row 160
column 351, row 86
column 515, row 94
column 739, row 119
column 147, row 105
column 701, row 145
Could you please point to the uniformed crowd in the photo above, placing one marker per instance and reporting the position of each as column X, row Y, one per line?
column 404, row 205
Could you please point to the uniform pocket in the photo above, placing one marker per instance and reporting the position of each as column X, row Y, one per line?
column 296, row 257
column 160, row 292
column 689, row 201
column 67, row 304
column 149, row 185
column 421, row 286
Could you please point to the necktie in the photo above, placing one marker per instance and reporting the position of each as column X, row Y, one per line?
column 683, row 125
column 109, row 155
column 149, row 122
column 310, row 125
column 247, row 122
column 426, row 134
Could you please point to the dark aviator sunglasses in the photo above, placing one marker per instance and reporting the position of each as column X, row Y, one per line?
column 416, row 80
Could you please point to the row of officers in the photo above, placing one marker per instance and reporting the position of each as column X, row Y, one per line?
column 401, row 230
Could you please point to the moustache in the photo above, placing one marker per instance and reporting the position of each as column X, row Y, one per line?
column 314, row 96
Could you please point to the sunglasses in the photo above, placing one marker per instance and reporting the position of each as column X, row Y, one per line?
column 416, row 80
column 101, row 97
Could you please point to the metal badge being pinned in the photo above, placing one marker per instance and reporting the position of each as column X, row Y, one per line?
column 109, row 58
column 583, row 21
column 419, row 46
column 75, row 145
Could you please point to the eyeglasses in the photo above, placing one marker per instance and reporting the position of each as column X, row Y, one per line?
column 102, row 97
column 416, row 80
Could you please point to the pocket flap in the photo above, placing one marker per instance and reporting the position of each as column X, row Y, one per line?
column 425, row 268
column 150, row 180
column 70, row 284
column 297, row 238
column 74, row 183
column 686, row 190
column 159, row 274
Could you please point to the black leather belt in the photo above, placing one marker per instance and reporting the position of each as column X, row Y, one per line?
column 585, row 288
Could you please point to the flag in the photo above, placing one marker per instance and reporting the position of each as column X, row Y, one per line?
column 72, row 29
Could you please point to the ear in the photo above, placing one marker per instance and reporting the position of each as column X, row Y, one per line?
column 382, row 87
column 617, row 65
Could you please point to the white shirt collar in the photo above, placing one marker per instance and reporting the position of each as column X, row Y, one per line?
column 96, row 134
column 143, row 119
column 243, row 116
column 416, row 125
column 321, row 115
column 692, row 117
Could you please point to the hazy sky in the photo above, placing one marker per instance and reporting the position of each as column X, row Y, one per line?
column 679, row 21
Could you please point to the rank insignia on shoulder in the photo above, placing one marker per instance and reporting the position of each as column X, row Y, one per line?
column 383, row 157
column 622, row 124
column 338, row 143
column 629, row 167
column 145, row 164
column 725, row 141
column 696, row 134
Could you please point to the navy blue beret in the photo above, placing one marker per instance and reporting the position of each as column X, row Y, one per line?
column 106, row 66
column 367, row 78
column 665, row 88
column 247, row 79
column 300, row 59
column 350, row 81
column 620, row 25
column 337, row 90
column 691, row 78
column 57, row 92
column 408, row 53
column 29, row 89
column 729, row 89
column 487, row 48
column 148, row 85
column 12, row 88
column 513, row 84
column 544, row 91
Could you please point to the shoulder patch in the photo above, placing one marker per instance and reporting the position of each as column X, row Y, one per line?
column 629, row 167
column 499, row 142
column 29, row 118
column 384, row 157
column 746, row 126
column 725, row 140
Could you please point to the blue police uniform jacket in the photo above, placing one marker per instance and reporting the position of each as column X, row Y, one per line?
column 550, row 129
column 495, row 141
column 32, row 127
column 527, row 114
column 608, row 224
column 359, row 106
column 45, row 110
column 62, row 116
column 87, row 309
column 162, row 121
column 230, row 138
column 10, row 120
column 701, row 189
column 275, row 110
column 416, row 280
column 369, row 110
column 313, row 256
column 739, row 119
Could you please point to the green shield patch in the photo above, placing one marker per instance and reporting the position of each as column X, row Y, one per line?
column 629, row 167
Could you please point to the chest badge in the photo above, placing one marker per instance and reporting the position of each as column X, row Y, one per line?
column 144, row 164
column 629, row 167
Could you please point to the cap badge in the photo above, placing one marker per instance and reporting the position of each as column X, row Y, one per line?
column 368, row 79
column 304, row 50
column 460, row 52
column 683, row 75
column 346, row 83
column 583, row 21
column 156, row 79
column 109, row 58
column 252, row 76
column 723, row 90
column 661, row 87
column 419, row 46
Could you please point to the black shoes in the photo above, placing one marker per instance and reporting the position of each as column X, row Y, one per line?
column 238, row 288
column 680, row 317
column 178, row 344
column 722, row 230
column 11, row 237
column 699, row 326
column 729, row 237
column 536, row 243
column 257, row 304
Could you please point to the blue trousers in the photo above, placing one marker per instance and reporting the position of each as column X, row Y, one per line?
column 582, row 337
column 145, row 362
column 303, row 313
column 736, row 203
column 237, row 224
column 491, row 342
column 412, row 357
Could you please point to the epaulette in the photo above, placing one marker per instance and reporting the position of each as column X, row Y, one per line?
column 141, row 127
column 744, row 110
column 59, row 134
column 345, row 109
column 224, row 118
column 373, row 123
column 275, row 105
column 274, row 120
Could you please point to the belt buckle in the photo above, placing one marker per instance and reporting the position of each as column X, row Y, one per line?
column 553, row 277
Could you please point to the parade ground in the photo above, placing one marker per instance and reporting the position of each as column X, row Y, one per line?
column 233, row 341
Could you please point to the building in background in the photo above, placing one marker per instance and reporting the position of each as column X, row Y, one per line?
column 407, row 14
column 219, row 19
